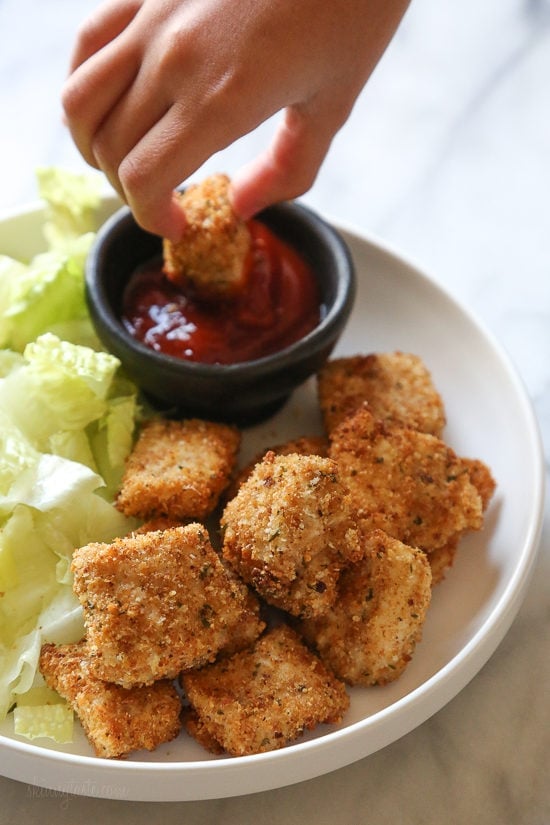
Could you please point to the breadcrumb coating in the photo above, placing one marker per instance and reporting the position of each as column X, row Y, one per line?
column 348, row 533
column 442, row 559
column 178, row 469
column 369, row 635
column 409, row 484
column 482, row 479
column 115, row 720
column 213, row 253
column 396, row 386
column 263, row 699
column 290, row 530
column 158, row 603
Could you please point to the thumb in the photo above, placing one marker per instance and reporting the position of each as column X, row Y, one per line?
column 289, row 166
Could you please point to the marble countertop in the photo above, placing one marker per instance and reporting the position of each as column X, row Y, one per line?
column 446, row 158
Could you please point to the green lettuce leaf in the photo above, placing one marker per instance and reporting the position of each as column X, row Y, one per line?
column 16, row 452
column 67, row 418
column 47, row 293
column 61, row 418
column 71, row 203
column 68, row 400
column 54, row 721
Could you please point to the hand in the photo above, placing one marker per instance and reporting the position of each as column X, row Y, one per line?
column 158, row 86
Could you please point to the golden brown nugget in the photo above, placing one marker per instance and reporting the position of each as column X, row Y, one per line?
column 263, row 699
column 290, row 530
column 409, row 484
column 115, row 720
column 442, row 559
column 156, row 603
column 482, row 479
column 178, row 469
column 213, row 253
column 369, row 636
column 397, row 387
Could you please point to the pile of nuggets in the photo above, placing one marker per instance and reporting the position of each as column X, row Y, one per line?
column 250, row 598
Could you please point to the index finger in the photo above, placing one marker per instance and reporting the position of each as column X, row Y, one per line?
column 104, row 25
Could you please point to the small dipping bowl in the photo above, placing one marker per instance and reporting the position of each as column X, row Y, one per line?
column 242, row 393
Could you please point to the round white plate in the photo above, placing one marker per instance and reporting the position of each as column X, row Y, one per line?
column 489, row 417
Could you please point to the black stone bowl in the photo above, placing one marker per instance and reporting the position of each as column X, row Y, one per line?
column 241, row 393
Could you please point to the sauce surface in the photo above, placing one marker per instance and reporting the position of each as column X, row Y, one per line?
column 279, row 304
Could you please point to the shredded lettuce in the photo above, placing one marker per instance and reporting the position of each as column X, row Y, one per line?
column 67, row 417
column 67, row 400
column 47, row 293
column 40, row 695
column 51, row 721
column 53, row 405
column 71, row 202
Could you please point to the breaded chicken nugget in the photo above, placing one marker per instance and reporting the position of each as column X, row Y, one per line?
column 290, row 530
column 442, row 559
column 213, row 253
column 263, row 699
column 157, row 603
column 115, row 720
column 482, row 479
column 369, row 636
column 407, row 483
column 178, row 469
column 396, row 386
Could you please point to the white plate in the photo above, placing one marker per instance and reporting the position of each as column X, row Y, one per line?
column 489, row 417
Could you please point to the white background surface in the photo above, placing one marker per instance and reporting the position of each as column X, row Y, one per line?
column 446, row 157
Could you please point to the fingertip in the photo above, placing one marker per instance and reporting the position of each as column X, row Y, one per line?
column 245, row 207
column 250, row 192
column 166, row 221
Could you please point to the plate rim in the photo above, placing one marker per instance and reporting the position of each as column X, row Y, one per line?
column 466, row 662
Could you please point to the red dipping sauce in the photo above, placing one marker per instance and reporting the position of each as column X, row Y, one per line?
column 279, row 304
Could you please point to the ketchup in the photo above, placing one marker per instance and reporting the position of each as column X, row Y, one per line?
column 278, row 305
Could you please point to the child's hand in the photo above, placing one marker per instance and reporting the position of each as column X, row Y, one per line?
column 158, row 86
